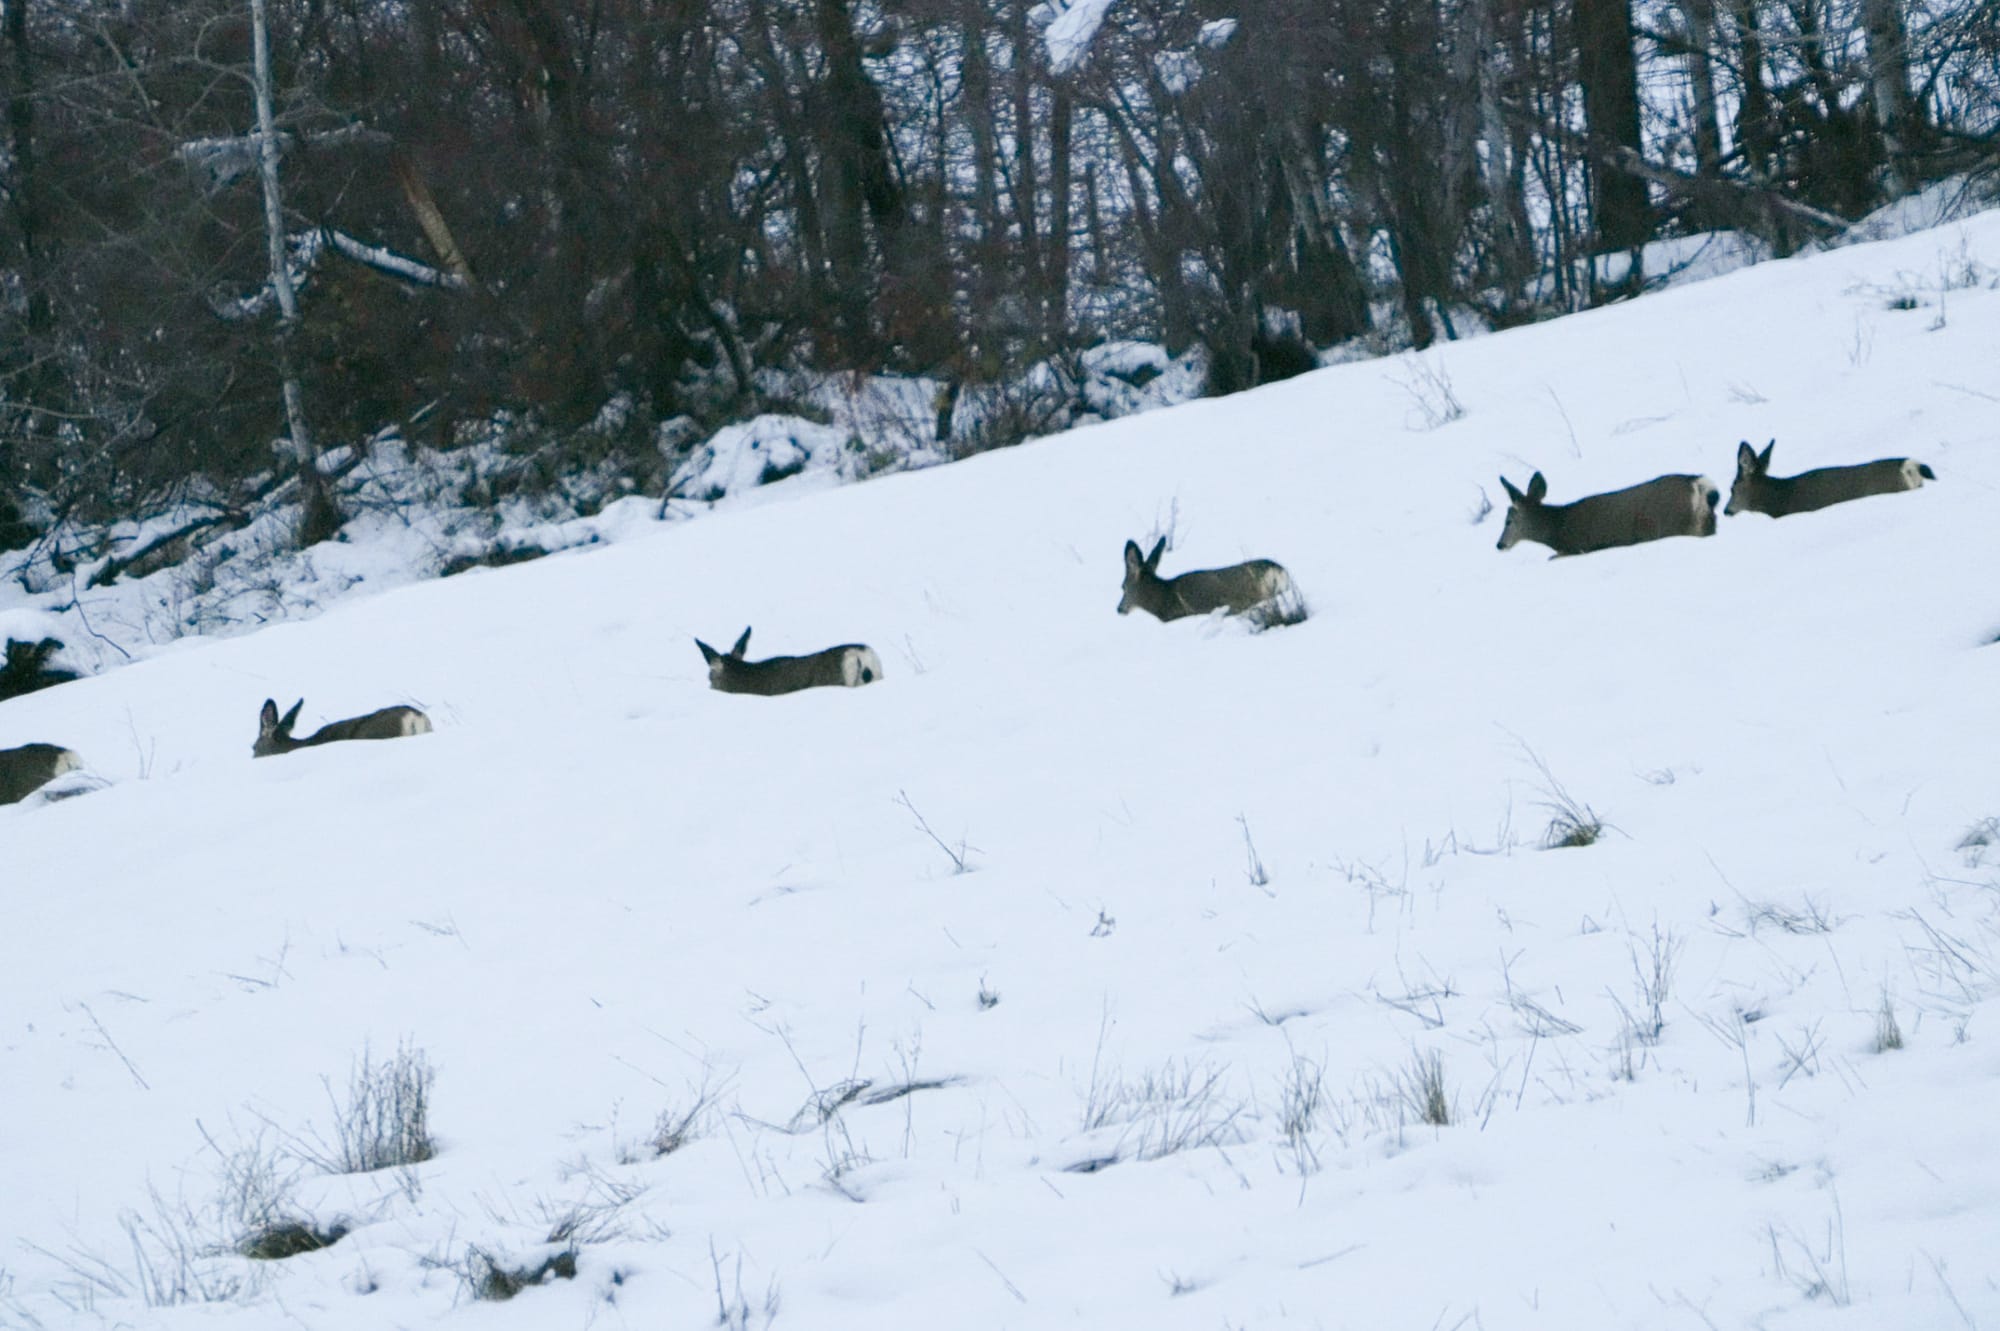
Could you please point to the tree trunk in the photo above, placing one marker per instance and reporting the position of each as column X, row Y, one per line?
column 1838, row 161
column 1093, row 221
column 1609, row 73
column 858, row 125
column 794, row 131
column 857, row 183
column 1753, row 124
column 430, row 218
column 1513, row 258
column 1700, row 18
column 1332, row 302
column 1055, row 259
column 1162, row 254
column 1025, row 191
column 1889, row 82
column 976, row 105
column 25, row 186
column 319, row 508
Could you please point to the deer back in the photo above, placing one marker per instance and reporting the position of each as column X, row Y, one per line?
column 389, row 723
column 274, row 733
column 26, row 769
column 1674, row 505
column 1757, row 491
column 1237, row 588
column 849, row 665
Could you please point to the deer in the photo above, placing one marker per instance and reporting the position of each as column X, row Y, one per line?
column 1240, row 587
column 1678, row 505
column 849, row 665
column 274, row 734
column 1758, row 491
column 25, row 770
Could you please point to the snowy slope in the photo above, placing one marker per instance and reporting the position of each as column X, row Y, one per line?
column 599, row 887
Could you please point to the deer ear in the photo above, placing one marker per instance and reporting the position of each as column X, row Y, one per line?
column 267, row 720
column 708, row 653
column 742, row 644
column 1537, row 488
column 1764, row 458
column 1134, row 561
column 1153, row 560
column 1513, row 495
column 292, row 717
column 1746, row 458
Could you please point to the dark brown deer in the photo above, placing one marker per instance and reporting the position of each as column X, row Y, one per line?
column 25, row 770
column 1758, row 491
column 849, row 665
column 1677, row 505
column 1238, row 588
column 274, row 734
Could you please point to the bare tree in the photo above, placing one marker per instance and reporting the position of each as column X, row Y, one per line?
column 321, row 516
column 1608, row 72
column 659, row 200
column 1494, row 48
column 1698, row 48
column 1888, row 44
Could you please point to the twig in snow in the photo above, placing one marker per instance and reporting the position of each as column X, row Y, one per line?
column 960, row 856
column 112, row 1045
column 1012, row 1288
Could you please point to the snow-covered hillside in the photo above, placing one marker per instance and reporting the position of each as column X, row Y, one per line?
column 1232, row 897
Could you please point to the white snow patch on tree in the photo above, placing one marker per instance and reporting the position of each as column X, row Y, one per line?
column 1072, row 30
column 1215, row 33
column 1178, row 70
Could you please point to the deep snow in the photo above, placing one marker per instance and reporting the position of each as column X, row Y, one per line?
column 600, row 886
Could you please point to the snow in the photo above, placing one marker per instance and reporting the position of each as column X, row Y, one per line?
column 1071, row 31
column 388, row 261
column 760, row 451
column 600, row 887
column 1178, row 70
column 415, row 512
column 1216, row 32
column 28, row 625
column 1125, row 378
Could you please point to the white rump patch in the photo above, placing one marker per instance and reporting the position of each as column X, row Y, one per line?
column 858, row 666
column 1913, row 475
column 416, row 723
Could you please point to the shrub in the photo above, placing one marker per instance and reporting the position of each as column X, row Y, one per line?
column 1571, row 821
column 27, row 667
column 1978, row 841
column 1422, row 1089
column 255, row 1203
column 1888, row 1032
column 1169, row 1109
column 289, row 1238
column 386, row 1119
column 496, row 1281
